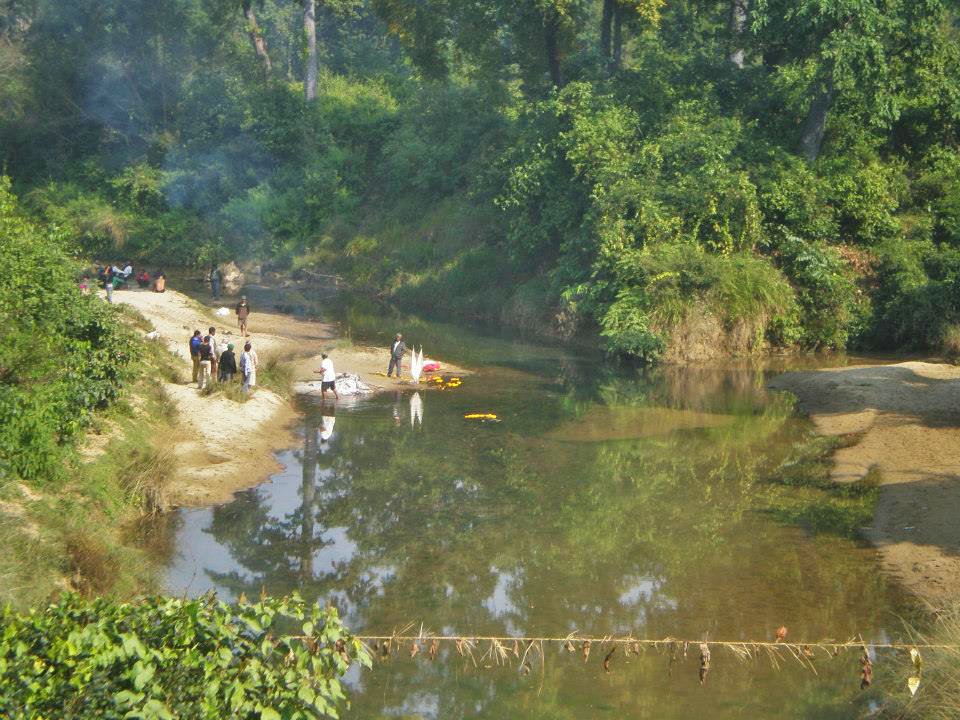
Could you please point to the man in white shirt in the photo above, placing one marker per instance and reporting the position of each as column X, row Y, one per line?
column 328, row 377
column 215, row 350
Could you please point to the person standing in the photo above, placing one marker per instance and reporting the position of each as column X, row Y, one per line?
column 328, row 377
column 206, row 357
column 248, row 367
column 243, row 312
column 216, row 282
column 397, row 351
column 227, row 364
column 108, row 284
column 195, row 342
column 214, row 354
column 159, row 281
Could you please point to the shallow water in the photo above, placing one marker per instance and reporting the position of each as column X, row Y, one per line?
column 602, row 502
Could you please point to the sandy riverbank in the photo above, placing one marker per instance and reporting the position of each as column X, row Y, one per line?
column 905, row 418
column 227, row 446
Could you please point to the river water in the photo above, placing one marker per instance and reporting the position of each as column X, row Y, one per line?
column 673, row 502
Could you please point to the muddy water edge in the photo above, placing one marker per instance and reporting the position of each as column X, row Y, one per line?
column 680, row 502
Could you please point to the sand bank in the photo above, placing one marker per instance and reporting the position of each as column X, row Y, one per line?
column 905, row 420
column 227, row 446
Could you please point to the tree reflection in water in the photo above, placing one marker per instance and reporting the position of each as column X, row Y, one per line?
column 514, row 528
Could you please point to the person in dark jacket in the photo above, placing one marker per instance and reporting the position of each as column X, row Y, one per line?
column 228, row 364
column 206, row 363
column 397, row 351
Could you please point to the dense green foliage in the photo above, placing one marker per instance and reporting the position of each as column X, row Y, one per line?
column 62, row 354
column 744, row 172
column 170, row 658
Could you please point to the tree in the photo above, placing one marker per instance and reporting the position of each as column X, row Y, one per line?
column 310, row 33
column 256, row 36
column 737, row 26
column 858, row 53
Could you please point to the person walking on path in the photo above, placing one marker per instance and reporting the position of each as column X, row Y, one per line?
column 206, row 358
column 397, row 351
column 227, row 364
column 248, row 367
column 216, row 282
column 214, row 354
column 243, row 312
column 328, row 377
column 195, row 342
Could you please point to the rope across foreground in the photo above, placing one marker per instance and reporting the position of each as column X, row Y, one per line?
column 490, row 650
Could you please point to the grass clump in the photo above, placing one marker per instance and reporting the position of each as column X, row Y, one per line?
column 801, row 492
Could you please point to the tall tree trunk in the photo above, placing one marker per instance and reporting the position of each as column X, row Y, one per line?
column 552, row 47
column 737, row 24
column 310, row 30
column 256, row 37
column 605, row 22
column 617, row 35
column 813, row 127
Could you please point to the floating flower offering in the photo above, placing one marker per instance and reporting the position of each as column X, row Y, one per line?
column 442, row 383
column 479, row 416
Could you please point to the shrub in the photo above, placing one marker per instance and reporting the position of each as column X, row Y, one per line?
column 169, row 657
column 825, row 290
column 62, row 354
column 664, row 283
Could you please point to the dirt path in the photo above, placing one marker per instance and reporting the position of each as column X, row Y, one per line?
column 908, row 418
column 228, row 446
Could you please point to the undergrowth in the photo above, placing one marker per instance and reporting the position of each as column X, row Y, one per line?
column 74, row 537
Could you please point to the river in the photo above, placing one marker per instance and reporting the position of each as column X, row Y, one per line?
column 671, row 502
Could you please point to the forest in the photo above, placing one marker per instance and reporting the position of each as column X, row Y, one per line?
column 675, row 179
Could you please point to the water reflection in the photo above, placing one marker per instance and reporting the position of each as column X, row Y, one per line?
column 650, row 526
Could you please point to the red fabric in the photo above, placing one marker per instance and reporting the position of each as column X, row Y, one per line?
column 431, row 367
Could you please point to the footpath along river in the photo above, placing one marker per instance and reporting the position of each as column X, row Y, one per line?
column 662, row 503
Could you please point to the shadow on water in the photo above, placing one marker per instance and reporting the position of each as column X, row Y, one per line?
column 601, row 503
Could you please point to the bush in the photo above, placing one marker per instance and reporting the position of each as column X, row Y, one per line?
column 666, row 282
column 825, row 290
column 62, row 354
column 168, row 657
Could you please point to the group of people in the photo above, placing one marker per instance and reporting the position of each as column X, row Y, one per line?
column 210, row 364
column 112, row 277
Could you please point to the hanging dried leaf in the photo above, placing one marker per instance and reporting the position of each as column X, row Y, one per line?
column 836, row 651
column 434, row 649
column 568, row 646
column 606, row 660
column 866, row 672
column 384, row 649
column 781, row 633
column 414, row 649
column 525, row 668
column 459, row 644
column 807, row 652
column 685, row 646
column 516, row 648
column 341, row 648
column 913, row 684
column 634, row 648
column 586, row 650
column 704, row 662
column 917, row 660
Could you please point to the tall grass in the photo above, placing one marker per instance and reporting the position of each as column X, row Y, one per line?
column 938, row 697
